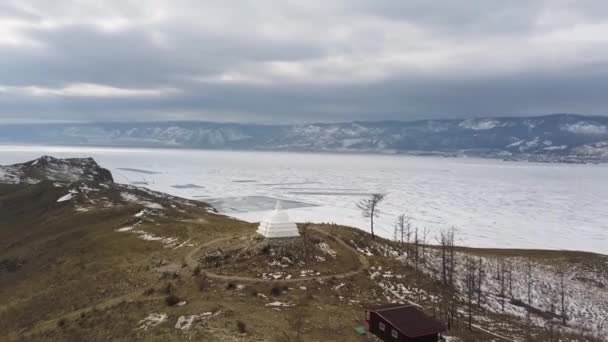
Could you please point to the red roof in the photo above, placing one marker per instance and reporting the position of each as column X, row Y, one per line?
column 408, row 319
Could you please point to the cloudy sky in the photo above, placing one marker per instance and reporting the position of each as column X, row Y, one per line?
column 297, row 61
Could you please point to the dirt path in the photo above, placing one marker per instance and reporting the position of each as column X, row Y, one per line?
column 363, row 265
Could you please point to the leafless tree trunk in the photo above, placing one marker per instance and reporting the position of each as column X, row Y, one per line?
column 369, row 208
column 479, row 282
column 396, row 232
column 446, row 241
column 452, row 246
column 470, row 288
column 443, row 241
column 529, row 281
column 502, row 286
column 416, row 245
column 304, row 233
column 297, row 323
column 408, row 235
column 510, row 278
column 563, row 298
column 425, row 235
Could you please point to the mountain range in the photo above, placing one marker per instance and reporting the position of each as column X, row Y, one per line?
column 557, row 137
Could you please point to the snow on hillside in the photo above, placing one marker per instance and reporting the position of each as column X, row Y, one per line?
column 586, row 298
column 583, row 127
column 53, row 169
column 481, row 124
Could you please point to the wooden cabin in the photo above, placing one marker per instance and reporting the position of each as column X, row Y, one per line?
column 402, row 323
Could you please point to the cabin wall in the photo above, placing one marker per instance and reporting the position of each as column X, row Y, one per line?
column 386, row 336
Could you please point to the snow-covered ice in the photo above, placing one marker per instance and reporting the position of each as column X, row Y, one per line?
column 492, row 203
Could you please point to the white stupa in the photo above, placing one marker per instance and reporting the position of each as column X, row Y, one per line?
column 278, row 225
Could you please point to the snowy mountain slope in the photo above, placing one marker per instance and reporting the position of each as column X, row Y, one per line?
column 53, row 169
column 560, row 135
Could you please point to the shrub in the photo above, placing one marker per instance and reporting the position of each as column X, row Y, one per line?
column 230, row 286
column 149, row 291
column 171, row 300
column 197, row 270
column 61, row 323
column 168, row 288
column 253, row 292
column 276, row 291
column 201, row 282
column 266, row 250
column 241, row 327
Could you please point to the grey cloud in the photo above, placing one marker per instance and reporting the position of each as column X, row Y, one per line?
column 283, row 62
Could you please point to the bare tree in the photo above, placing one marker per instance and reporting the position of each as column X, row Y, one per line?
column 396, row 232
column 501, row 266
column 416, row 245
column 446, row 240
column 369, row 208
column 452, row 257
column 305, row 239
column 470, row 287
column 479, row 281
column 510, row 278
column 297, row 324
column 443, row 242
column 400, row 229
column 529, row 280
column 425, row 236
column 562, row 293
column 402, row 232
column 408, row 235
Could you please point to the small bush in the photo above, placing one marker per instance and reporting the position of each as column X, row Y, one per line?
column 253, row 292
column 149, row 291
column 168, row 288
column 61, row 323
column 230, row 286
column 171, row 300
column 202, row 283
column 276, row 291
column 241, row 327
column 266, row 250
column 197, row 270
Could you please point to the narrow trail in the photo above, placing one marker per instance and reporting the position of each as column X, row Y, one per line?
column 363, row 265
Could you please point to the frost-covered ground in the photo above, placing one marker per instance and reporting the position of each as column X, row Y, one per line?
column 492, row 203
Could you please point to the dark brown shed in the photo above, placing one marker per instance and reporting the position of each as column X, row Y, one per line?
column 402, row 323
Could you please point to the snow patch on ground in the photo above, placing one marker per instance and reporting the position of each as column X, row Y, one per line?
column 129, row 197
column 325, row 248
column 151, row 321
column 168, row 242
column 279, row 304
column 185, row 322
column 69, row 196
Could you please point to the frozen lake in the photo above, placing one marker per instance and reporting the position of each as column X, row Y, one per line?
column 491, row 203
